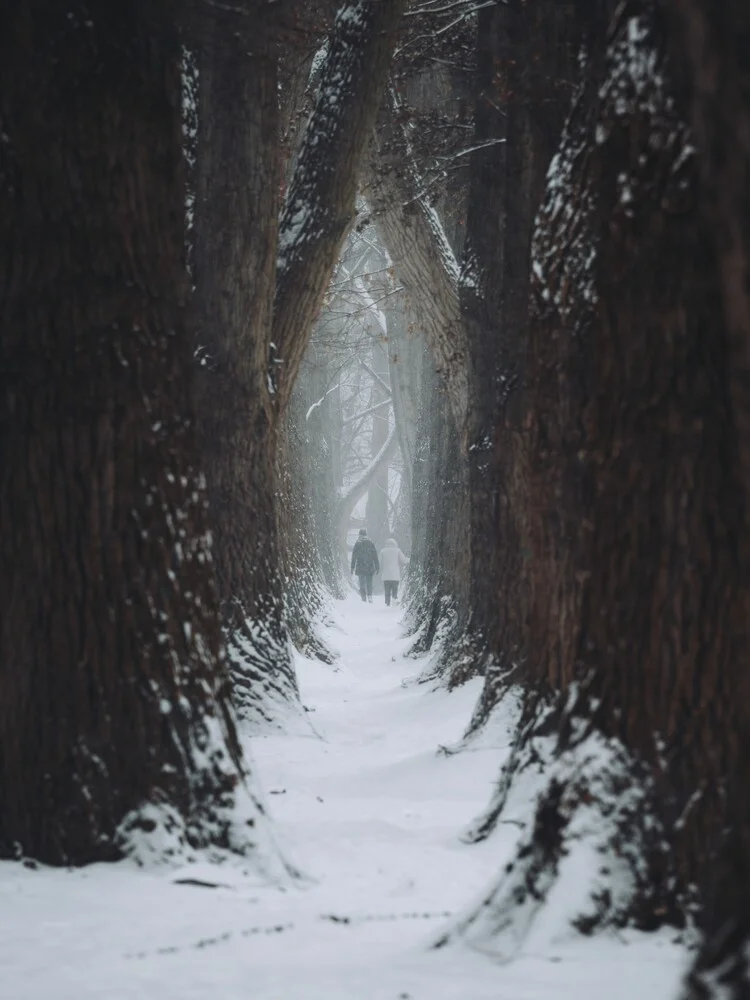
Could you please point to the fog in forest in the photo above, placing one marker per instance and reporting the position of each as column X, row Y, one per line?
column 375, row 500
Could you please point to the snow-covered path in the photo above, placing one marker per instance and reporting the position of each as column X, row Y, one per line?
column 373, row 817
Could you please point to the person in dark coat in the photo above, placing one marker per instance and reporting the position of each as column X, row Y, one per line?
column 365, row 564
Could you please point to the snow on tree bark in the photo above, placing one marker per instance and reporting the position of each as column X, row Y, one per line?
column 309, row 556
column 259, row 295
column 437, row 605
column 319, row 208
column 420, row 252
column 635, row 513
column 116, row 732
column 237, row 206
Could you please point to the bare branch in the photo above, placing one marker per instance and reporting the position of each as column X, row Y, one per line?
column 422, row 256
column 321, row 201
column 367, row 412
column 370, row 371
column 354, row 494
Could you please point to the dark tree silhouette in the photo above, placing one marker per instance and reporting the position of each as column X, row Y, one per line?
column 714, row 40
column 114, row 698
column 634, row 520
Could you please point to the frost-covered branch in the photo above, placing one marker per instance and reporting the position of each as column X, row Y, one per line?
column 436, row 33
column 378, row 378
column 421, row 253
column 367, row 412
column 354, row 494
column 320, row 205
column 320, row 401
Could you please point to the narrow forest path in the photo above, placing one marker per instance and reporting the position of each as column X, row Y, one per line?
column 373, row 817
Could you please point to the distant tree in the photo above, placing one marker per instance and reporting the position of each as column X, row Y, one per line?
column 422, row 256
column 377, row 399
column 424, row 261
column 471, row 291
column 438, row 596
column 114, row 696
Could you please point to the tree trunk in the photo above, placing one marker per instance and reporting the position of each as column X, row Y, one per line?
column 310, row 562
column 354, row 494
column 236, row 224
column 405, row 348
column 377, row 517
column 525, row 66
column 237, row 206
column 636, row 501
column 421, row 255
column 714, row 39
column 114, row 701
column 303, row 546
column 258, row 295
column 438, row 602
column 319, row 208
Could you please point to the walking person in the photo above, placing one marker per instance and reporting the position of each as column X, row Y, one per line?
column 392, row 559
column 365, row 564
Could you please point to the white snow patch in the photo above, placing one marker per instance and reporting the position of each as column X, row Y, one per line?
column 375, row 817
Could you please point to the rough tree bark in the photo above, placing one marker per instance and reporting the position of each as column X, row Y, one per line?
column 438, row 600
column 636, row 501
column 114, row 699
column 714, row 39
column 320, row 207
column 261, row 295
column 306, row 538
column 309, row 554
column 316, row 421
column 525, row 67
column 236, row 218
column 405, row 347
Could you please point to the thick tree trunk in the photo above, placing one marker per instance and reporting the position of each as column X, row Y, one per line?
column 258, row 296
column 641, row 569
column 652, row 558
column 714, row 38
column 525, row 66
column 236, row 221
column 236, row 225
column 438, row 601
column 310, row 564
column 638, row 617
column 302, row 546
column 405, row 349
column 114, row 702
column 317, row 425
column 319, row 208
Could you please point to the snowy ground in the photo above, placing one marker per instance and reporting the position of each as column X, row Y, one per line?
column 373, row 817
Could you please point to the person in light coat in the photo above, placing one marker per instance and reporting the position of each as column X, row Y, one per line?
column 392, row 559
